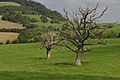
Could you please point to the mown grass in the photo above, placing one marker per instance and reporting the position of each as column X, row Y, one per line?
column 4, row 36
column 27, row 62
column 10, row 25
column 9, row 4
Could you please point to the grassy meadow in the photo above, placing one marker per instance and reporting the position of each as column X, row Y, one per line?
column 39, row 23
column 27, row 62
column 9, row 4
column 115, row 28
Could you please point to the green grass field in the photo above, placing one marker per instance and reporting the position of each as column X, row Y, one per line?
column 9, row 4
column 115, row 28
column 37, row 17
column 26, row 62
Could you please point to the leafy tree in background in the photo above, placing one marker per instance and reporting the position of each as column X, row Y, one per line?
column 55, row 21
column 44, row 19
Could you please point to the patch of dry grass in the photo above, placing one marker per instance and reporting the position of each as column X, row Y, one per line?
column 9, row 4
column 10, row 25
column 4, row 36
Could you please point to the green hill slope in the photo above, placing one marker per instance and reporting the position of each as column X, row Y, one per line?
column 30, row 7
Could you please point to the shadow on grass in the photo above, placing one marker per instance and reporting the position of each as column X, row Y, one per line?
column 49, row 76
column 86, row 62
column 63, row 64
column 39, row 58
column 71, row 64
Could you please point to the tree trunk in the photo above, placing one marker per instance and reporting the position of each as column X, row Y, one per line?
column 79, row 57
column 48, row 54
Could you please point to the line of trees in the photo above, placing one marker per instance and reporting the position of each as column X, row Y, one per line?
column 11, row 30
column 19, row 18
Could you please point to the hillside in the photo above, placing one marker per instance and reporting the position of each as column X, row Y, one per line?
column 21, row 14
column 31, row 7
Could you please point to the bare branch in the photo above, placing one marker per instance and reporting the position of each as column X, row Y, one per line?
column 69, row 47
column 94, row 9
column 82, row 27
column 75, row 23
column 100, row 14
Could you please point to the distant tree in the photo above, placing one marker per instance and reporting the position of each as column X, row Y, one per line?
column 16, row 41
column 8, row 42
column 44, row 19
column 22, row 39
column 49, row 38
column 81, row 26
column 118, row 35
column 55, row 21
column 31, row 26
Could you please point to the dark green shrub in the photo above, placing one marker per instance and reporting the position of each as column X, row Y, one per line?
column 8, row 42
column 33, row 20
column 55, row 21
column 4, row 30
column 23, row 39
column 36, row 38
column 1, row 42
column 44, row 19
column 31, row 41
column 118, row 35
column 31, row 26
column 15, row 41
column 110, row 34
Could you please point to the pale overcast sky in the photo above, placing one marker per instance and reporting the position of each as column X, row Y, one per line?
column 112, row 13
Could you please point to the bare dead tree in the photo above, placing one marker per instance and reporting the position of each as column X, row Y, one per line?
column 49, row 38
column 81, row 26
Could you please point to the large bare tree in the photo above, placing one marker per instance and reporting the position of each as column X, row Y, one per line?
column 82, row 25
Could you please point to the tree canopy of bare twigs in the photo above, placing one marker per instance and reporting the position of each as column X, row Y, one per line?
column 49, row 38
column 81, row 25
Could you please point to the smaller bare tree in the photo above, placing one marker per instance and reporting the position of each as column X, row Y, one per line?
column 81, row 26
column 49, row 38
